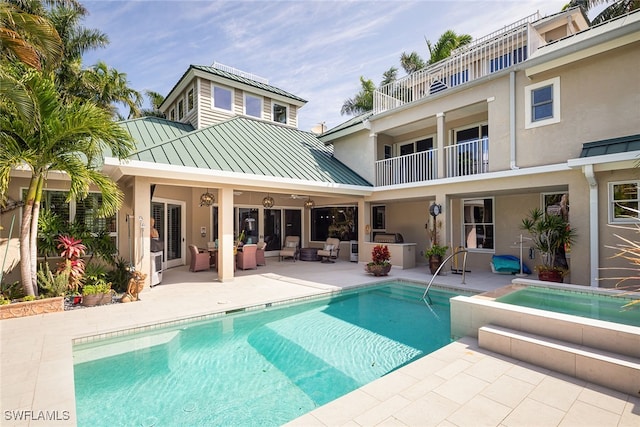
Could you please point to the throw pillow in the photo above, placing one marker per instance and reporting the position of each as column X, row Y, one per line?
column 328, row 247
column 291, row 244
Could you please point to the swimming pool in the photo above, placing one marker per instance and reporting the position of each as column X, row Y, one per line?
column 575, row 302
column 264, row 367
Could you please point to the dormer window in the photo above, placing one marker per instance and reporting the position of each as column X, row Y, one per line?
column 190, row 100
column 252, row 105
column 222, row 98
column 180, row 109
column 172, row 114
column 279, row 113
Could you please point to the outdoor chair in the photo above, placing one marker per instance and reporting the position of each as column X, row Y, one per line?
column 246, row 258
column 199, row 259
column 290, row 249
column 260, row 253
column 330, row 250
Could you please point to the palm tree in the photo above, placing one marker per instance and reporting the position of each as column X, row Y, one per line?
column 66, row 136
column 389, row 76
column 156, row 100
column 362, row 101
column 106, row 86
column 617, row 8
column 411, row 62
column 447, row 42
column 27, row 37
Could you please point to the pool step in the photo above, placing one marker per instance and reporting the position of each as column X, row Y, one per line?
column 615, row 371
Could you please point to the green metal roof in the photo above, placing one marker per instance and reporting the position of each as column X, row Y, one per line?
column 251, row 146
column 611, row 146
column 150, row 131
column 230, row 76
column 354, row 121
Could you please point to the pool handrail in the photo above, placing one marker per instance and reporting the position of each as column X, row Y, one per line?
column 464, row 270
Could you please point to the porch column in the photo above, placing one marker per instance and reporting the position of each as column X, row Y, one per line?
column 141, row 239
column 226, row 258
column 364, row 227
column 440, row 135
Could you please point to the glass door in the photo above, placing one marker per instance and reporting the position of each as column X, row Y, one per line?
column 293, row 223
column 272, row 229
column 170, row 223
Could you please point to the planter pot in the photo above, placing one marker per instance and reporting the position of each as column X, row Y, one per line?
column 378, row 270
column 32, row 308
column 434, row 263
column 550, row 276
column 92, row 300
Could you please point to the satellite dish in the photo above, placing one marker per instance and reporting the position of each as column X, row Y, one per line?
column 319, row 129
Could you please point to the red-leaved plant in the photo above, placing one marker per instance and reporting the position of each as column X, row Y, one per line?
column 380, row 255
column 71, row 250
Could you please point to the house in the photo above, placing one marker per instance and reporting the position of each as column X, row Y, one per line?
column 543, row 113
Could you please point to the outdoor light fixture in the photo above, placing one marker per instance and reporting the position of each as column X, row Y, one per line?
column 207, row 199
column 268, row 202
column 309, row 203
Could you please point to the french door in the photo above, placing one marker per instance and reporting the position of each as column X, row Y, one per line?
column 171, row 225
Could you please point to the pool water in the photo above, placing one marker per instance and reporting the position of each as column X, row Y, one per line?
column 260, row 368
column 583, row 304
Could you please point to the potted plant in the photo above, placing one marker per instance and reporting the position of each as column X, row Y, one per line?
column 550, row 234
column 379, row 264
column 435, row 254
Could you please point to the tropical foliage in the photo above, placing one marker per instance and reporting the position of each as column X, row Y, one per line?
column 550, row 234
column 614, row 9
column 55, row 115
column 380, row 255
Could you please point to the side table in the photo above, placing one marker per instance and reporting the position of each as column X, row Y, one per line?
column 309, row 254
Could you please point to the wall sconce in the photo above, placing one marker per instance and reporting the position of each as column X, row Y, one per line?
column 207, row 199
column 309, row 203
column 268, row 202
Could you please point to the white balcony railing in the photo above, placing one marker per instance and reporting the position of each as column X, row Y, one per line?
column 502, row 49
column 416, row 167
column 466, row 158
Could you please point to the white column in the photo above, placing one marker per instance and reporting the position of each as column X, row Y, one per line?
column 226, row 258
column 141, row 239
column 440, row 135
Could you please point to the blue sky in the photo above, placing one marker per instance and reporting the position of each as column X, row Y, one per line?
column 314, row 49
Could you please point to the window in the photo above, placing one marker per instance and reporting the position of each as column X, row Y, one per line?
column 542, row 103
column 418, row 146
column 508, row 59
column 340, row 222
column 378, row 217
column 478, row 223
column 279, row 113
column 252, row 105
column 387, row 152
column 624, row 202
column 180, row 109
column 172, row 114
column 222, row 98
column 79, row 211
column 190, row 100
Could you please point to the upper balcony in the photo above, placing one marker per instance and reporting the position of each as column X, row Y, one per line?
column 499, row 50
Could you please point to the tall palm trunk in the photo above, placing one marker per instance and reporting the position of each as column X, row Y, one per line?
column 29, row 235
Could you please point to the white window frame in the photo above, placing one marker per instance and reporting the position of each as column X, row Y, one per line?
column 528, row 99
column 190, row 99
column 493, row 224
column 172, row 114
column 213, row 98
column 286, row 112
column 259, row 99
column 181, row 109
column 611, row 203
column 397, row 146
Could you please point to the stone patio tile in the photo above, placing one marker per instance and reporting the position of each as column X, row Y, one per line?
column 461, row 388
column 382, row 411
column 527, row 372
column 631, row 413
column 392, row 422
column 389, row 385
column 508, row 391
column 531, row 413
column 343, row 410
column 489, row 369
column 559, row 392
column 584, row 414
column 604, row 398
column 423, row 367
column 423, row 387
column 479, row 411
column 428, row 411
column 453, row 368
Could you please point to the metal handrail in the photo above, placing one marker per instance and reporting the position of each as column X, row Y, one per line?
column 426, row 296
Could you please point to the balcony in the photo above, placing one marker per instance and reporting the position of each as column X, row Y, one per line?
column 502, row 49
column 462, row 159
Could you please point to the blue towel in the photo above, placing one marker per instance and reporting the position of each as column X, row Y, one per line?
column 508, row 264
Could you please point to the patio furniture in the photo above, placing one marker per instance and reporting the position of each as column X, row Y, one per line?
column 330, row 251
column 309, row 254
column 246, row 258
column 260, row 253
column 199, row 259
column 290, row 249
